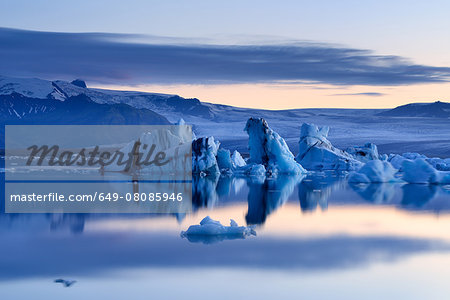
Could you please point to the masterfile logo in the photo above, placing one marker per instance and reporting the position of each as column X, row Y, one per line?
column 98, row 168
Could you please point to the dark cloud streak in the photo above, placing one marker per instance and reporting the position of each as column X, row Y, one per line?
column 115, row 59
column 371, row 94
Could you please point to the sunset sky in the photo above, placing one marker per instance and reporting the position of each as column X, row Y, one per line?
column 264, row 54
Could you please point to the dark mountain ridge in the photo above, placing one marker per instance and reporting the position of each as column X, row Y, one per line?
column 436, row 109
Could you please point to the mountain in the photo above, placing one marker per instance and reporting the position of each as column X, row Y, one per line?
column 393, row 131
column 18, row 109
column 437, row 109
column 163, row 104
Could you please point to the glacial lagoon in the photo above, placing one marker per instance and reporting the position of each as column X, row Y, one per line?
column 317, row 237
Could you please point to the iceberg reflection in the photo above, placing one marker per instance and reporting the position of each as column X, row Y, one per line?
column 378, row 193
column 315, row 190
column 267, row 196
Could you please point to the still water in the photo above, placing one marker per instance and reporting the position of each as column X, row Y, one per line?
column 318, row 237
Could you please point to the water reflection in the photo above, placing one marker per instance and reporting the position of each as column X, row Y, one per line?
column 315, row 190
column 377, row 193
column 417, row 195
column 266, row 196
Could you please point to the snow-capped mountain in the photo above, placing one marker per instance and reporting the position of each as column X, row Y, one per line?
column 393, row 131
column 63, row 90
column 18, row 109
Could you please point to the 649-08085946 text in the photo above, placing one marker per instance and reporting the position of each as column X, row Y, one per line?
column 102, row 197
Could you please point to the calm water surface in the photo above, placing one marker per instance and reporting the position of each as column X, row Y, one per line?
column 317, row 238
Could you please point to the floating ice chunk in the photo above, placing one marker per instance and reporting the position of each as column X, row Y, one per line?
column 439, row 163
column 228, row 162
column 267, row 148
column 356, row 177
column 181, row 131
column 204, row 152
column 413, row 155
column 224, row 159
column 173, row 141
column 210, row 228
column 317, row 153
column 251, row 170
column 374, row 171
column 364, row 153
column 237, row 159
column 396, row 160
column 420, row 171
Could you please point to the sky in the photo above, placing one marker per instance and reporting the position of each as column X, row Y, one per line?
column 264, row 54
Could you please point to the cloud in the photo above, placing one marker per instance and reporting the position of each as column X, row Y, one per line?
column 132, row 59
column 360, row 94
column 170, row 251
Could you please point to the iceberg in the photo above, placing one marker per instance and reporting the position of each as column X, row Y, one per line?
column 364, row 153
column 374, row 171
column 437, row 163
column 420, row 171
column 204, row 152
column 174, row 141
column 210, row 231
column 229, row 162
column 396, row 161
column 251, row 170
column 317, row 153
column 267, row 148
column 237, row 159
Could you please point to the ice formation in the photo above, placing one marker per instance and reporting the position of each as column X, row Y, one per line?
column 237, row 159
column 174, row 141
column 251, row 170
column 229, row 162
column 396, row 160
column 210, row 227
column 267, row 148
column 317, row 153
column 204, row 152
column 420, row 171
column 364, row 153
column 438, row 163
column 374, row 171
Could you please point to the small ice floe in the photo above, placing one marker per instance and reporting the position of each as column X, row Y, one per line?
column 64, row 282
column 374, row 171
column 211, row 231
